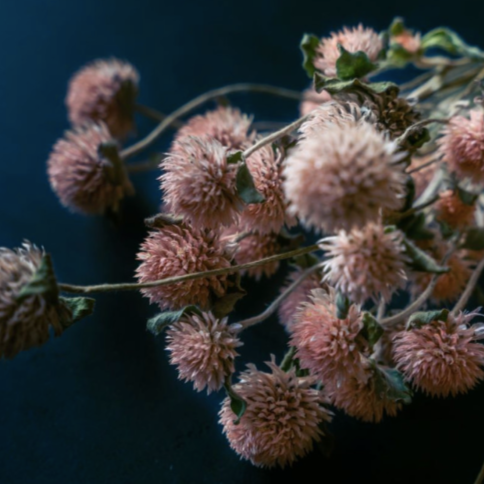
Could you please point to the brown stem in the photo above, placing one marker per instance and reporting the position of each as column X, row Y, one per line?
column 461, row 303
column 480, row 477
column 156, row 115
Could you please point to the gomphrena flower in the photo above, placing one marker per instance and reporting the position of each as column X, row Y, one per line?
column 453, row 211
column 282, row 419
column 24, row 321
column 411, row 42
column 441, row 358
column 330, row 348
column 199, row 184
column 462, row 145
column 271, row 214
column 85, row 171
column 175, row 250
column 226, row 124
column 290, row 305
column 312, row 100
column 203, row 349
column 342, row 177
column 365, row 263
column 353, row 40
column 104, row 90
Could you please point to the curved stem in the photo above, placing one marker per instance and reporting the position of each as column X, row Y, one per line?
column 422, row 166
column 198, row 101
column 461, row 303
column 419, row 124
column 144, row 166
column 133, row 286
column 480, row 477
column 416, row 208
column 155, row 115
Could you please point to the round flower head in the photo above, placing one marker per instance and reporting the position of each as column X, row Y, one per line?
column 353, row 40
column 203, row 349
column 330, row 348
column 175, row 250
column 441, row 358
column 86, row 173
column 104, row 90
column 271, row 214
column 282, row 418
column 312, row 100
column 365, row 263
column 462, row 146
column 342, row 177
column 453, row 211
column 24, row 322
column 199, row 184
column 290, row 305
column 227, row 125
column 409, row 41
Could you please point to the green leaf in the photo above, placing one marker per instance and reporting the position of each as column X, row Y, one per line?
column 397, row 27
column 306, row 261
column 308, row 45
column 372, row 331
column 158, row 323
column 246, row 187
column 389, row 383
column 288, row 360
column 420, row 261
column 43, row 282
column 335, row 86
column 473, row 239
column 237, row 403
column 446, row 39
column 225, row 304
column 410, row 194
column 353, row 65
column 234, row 158
column 414, row 227
column 79, row 307
column 342, row 305
column 420, row 318
column 466, row 197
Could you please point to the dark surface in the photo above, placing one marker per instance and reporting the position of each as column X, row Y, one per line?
column 101, row 404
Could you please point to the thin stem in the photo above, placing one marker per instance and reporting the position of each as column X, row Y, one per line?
column 155, row 115
column 198, row 101
column 381, row 309
column 480, row 477
column 416, row 208
column 419, row 124
column 424, row 165
column 133, row 286
column 246, row 323
column 144, row 166
column 462, row 302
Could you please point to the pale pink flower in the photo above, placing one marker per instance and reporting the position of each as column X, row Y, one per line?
column 353, row 40
column 366, row 263
column 342, row 177
column 203, row 349
column 199, row 184
column 84, row 179
column 312, row 100
column 104, row 90
column 409, row 41
column 177, row 250
column 282, row 419
column 330, row 348
column 453, row 211
column 441, row 358
column 462, row 145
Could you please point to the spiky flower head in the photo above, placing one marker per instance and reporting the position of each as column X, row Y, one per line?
column 462, row 145
column 86, row 172
column 342, row 177
column 174, row 250
column 104, row 91
column 312, row 100
column 453, row 211
column 353, row 40
column 365, row 263
column 329, row 347
column 441, row 358
column 282, row 419
column 199, row 184
column 411, row 42
column 204, row 349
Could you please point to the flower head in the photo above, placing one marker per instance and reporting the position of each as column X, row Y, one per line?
column 365, row 263
column 199, row 184
column 453, row 211
column 104, row 90
column 85, row 171
column 342, row 177
column 408, row 40
column 282, row 418
column 203, row 349
column 176, row 250
column 312, row 100
column 441, row 358
column 353, row 40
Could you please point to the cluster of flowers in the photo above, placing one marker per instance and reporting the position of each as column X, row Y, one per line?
column 397, row 204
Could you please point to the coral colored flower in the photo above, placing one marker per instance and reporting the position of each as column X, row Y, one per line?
column 330, row 348
column 199, row 184
column 353, row 40
column 441, row 358
column 24, row 323
column 84, row 179
column 453, row 211
column 203, row 349
column 342, row 177
column 312, row 100
column 462, row 145
column 104, row 90
column 177, row 250
column 365, row 263
column 409, row 41
column 281, row 422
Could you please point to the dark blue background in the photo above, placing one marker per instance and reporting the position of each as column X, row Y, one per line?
column 101, row 404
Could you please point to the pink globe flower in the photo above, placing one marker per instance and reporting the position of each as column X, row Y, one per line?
column 281, row 422
column 313, row 100
column 203, row 349
column 104, row 91
column 441, row 358
column 453, row 211
column 86, row 173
